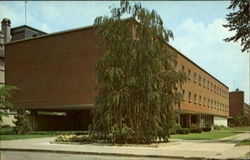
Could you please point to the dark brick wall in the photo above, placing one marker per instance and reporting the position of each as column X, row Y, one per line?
column 54, row 70
column 236, row 102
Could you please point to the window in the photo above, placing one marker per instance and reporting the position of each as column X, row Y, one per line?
column 204, row 101
column 183, row 94
column 183, row 68
column 208, row 102
column 199, row 100
column 217, row 90
column 194, row 77
column 189, row 97
column 211, row 87
column 175, row 66
column 207, row 84
column 214, row 88
column 204, row 82
column 199, row 80
column 195, row 98
column 189, row 74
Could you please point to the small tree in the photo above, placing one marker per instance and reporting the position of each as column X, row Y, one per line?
column 22, row 125
column 239, row 22
column 5, row 92
column 136, row 78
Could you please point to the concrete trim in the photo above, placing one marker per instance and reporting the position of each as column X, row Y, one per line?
column 63, row 107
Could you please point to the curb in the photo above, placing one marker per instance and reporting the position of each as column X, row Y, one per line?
column 100, row 153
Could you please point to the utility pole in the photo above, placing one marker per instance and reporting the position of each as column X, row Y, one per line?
column 25, row 18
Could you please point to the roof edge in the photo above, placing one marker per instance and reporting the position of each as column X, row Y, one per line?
column 92, row 26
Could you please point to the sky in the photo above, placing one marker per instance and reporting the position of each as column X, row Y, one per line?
column 197, row 28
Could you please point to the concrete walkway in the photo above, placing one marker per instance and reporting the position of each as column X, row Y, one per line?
column 190, row 149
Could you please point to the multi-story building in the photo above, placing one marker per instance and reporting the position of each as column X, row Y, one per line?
column 8, row 34
column 56, row 81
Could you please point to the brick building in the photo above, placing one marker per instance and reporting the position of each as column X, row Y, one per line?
column 8, row 34
column 236, row 102
column 56, row 79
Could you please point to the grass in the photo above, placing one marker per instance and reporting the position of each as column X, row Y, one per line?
column 215, row 134
column 244, row 142
column 236, row 129
column 8, row 134
column 27, row 136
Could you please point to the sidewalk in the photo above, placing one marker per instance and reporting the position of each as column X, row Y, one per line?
column 202, row 149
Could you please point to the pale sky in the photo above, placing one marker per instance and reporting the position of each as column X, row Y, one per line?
column 197, row 28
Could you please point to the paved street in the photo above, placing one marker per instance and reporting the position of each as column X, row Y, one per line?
column 17, row 155
column 219, row 149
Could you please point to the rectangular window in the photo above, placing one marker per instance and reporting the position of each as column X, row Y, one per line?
column 214, row 88
column 204, row 101
column 200, row 100
column 189, row 97
column 183, row 68
column 204, row 82
column 217, row 90
column 212, row 103
column 189, row 74
column 207, row 84
column 211, row 87
column 199, row 80
column 183, row 95
column 194, row 77
column 208, row 102
column 175, row 66
column 195, row 98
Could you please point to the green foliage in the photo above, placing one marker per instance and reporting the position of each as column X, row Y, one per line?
column 5, row 92
column 183, row 131
column 73, row 138
column 22, row 125
column 219, row 127
column 6, row 130
column 195, row 130
column 239, row 22
column 206, row 129
column 242, row 119
column 136, row 79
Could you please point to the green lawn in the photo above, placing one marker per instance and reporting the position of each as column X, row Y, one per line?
column 236, row 129
column 215, row 134
column 7, row 134
column 12, row 137
column 244, row 142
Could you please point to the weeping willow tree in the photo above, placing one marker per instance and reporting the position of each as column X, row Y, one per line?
column 136, row 78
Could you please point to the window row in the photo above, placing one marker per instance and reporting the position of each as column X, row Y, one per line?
column 198, row 99
column 205, row 83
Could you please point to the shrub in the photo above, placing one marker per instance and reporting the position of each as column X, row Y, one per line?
column 183, row 131
column 22, row 125
column 175, row 128
column 73, row 138
column 196, row 130
column 217, row 127
column 5, row 130
column 206, row 129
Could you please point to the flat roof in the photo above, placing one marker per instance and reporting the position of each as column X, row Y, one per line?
column 92, row 26
column 26, row 26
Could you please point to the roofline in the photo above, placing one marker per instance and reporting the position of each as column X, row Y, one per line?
column 50, row 34
column 196, row 65
column 92, row 26
column 22, row 26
